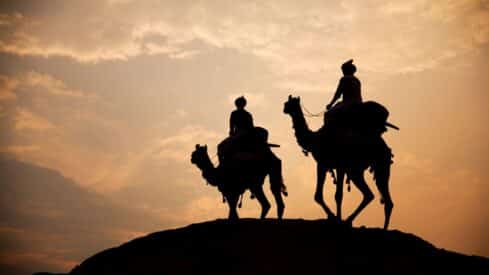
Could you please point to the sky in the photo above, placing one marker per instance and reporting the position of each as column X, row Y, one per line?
column 102, row 103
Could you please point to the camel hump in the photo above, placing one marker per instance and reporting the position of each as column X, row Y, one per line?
column 374, row 115
column 375, row 111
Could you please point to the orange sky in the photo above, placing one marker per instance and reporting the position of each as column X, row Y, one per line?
column 112, row 96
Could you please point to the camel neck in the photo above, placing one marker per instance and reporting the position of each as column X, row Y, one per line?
column 209, row 172
column 302, row 132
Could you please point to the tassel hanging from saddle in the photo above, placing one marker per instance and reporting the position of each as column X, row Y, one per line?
column 333, row 175
column 240, row 201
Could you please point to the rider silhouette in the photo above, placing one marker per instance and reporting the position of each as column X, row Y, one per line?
column 241, row 120
column 349, row 87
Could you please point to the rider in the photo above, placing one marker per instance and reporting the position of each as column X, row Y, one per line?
column 349, row 87
column 241, row 120
column 240, row 127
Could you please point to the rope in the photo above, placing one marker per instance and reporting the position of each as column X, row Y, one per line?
column 309, row 114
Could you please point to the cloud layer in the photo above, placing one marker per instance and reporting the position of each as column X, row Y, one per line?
column 115, row 95
column 297, row 40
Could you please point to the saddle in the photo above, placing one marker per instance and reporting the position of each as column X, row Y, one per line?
column 245, row 146
column 354, row 130
column 368, row 118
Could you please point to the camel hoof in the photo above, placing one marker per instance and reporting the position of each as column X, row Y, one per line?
column 264, row 212
column 280, row 213
column 233, row 217
column 331, row 217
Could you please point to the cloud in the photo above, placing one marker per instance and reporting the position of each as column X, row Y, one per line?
column 178, row 147
column 404, row 7
column 37, row 82
column 294, row 39
column 7, row 87
column 19, row 149
column 27, row 102
column 25, row 119
column 43, row 114
column 50, row 84
column 50, row 223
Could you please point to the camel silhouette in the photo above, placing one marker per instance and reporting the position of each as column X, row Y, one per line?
column 244, row 171
column 361, row 154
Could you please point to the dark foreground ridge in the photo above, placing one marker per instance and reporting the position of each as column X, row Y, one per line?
column 270, row 246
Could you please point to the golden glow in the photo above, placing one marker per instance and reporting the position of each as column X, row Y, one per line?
column 115, row 95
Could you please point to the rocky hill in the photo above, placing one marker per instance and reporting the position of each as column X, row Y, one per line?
column 279, row 247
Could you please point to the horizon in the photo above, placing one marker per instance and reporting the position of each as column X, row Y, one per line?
column 113, row 96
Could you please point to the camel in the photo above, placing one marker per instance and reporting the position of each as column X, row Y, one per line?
column 353, row 162
column 245, row 171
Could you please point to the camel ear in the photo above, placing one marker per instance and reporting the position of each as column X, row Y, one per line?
column 197, row 146
column 290, row 97
column 205, row 147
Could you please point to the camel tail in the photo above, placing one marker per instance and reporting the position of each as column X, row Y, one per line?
column 381, row 170
column 276, row 178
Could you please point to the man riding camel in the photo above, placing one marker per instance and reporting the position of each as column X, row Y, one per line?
column 243, row 135
column 352, row 114
column 349, row 87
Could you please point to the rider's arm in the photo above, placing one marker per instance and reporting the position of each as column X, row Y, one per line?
column 337, row 95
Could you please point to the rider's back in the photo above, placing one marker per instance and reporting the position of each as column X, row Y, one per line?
column 241, row 120
column 350, row 88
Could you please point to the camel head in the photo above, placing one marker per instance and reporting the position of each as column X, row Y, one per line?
column 201, row 159
column 200, row 156
column 292, row 105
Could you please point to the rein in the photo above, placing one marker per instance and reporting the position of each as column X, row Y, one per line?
column 309, row 114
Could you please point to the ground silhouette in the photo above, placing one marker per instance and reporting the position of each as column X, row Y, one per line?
column 270, row 246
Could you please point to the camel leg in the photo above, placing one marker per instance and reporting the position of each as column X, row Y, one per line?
column 262, row 199
column 277, row 194
column 368, row 196
column 382, row 182
column 233, row 203
column 340, row 177
column 277, row 183
column 318, row 195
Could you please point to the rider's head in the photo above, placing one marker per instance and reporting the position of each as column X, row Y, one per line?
column 240, row 102
column 348, row 68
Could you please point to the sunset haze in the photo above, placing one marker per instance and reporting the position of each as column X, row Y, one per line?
column 102, row 103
